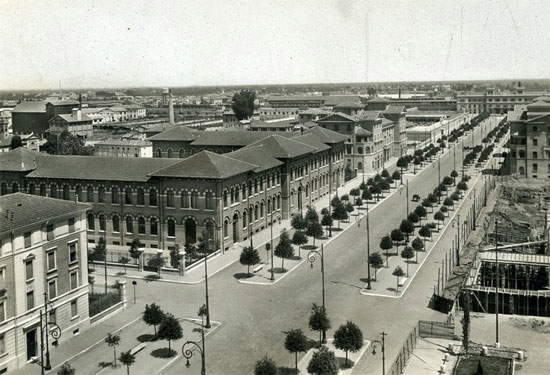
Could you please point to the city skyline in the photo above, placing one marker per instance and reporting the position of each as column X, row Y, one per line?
column 97, row 44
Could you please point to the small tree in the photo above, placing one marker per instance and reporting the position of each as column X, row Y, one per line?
column 440, row 217
column 462, row 186
column 386, row 244
column 176, row 257
column 396, row 175
column 413, row 217
column 366, row 195
column 375, row 190
column 324, row 211
column 113, row 341
column 66, row 369
column 298, row 222
column 327, row 222
column 349, row 207
column 127, row 359
column 249, row 257
column 448, row 202
column 170, row 329
column 398, row 272
column 311, row 215
column 323, row 362
column 134, row 252
column 296, row 342
column 335, row 201
column 340, row 213
column 455, row 196
column 421, row 212
column 427, row 203
column 418, row 245
column 319, row 321
column 397, row 237
column 358, row 202
column 447, row 180
column 153, row 316
column 443, row 209
column 454, row 175
column 299, row 238
column 157, row 262
column 15, row 142
column 407, row 253
column 265, row 366
column 376, row 261
column 284, row 248
column 349, row 338
column 355, row 192
column 315, row 230
column 100, row 251
column 406, row 227
column 425, row 232
column 385, row 173
column 124, row 260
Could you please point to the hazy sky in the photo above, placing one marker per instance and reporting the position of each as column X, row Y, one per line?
column 98, row 43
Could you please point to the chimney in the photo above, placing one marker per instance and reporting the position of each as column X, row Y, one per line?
column 77, row 113
column 80, row 101
column 171, row 109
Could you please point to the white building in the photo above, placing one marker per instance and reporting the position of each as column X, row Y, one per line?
column 125, row 148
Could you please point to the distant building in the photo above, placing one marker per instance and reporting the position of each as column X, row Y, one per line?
column 125, row 148
column 75, row 123
column 5, row 123
column 269, row 113
column 30, row 142
column 430, row 128
column 494, row 101
column 424, row 103
column 34, row 116
column 43, row 258
column 311, row 101
column 285, row 125
column 312, row 114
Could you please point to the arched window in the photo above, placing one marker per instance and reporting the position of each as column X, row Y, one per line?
column 225, row 198
column 53, row 191
column 209, row 202
column 169, row 153
column 244, row 219
column 171, row 224
column 182, row 153
column 184, row 199
column 195, row 199
column 66, row 192
column 4, row 188
column 15, row 187
column 140, row 197
column 32, row 189
column 91, row 222
column 278, row 201
column 102, row 223
column 114, row 195
column 78, row 193
column 152, row 197
column 226, row 228
column 90, row 194
column 268, row 205
column 101, row 194
column 128, row 196
column 158, row 153
column 42, row 190
column 262, row 209
column 116, row 224
column 256, row 212
column 153, row 224
column 170, row 198
column 141, row 225
column 359, row 150
column 129, row 224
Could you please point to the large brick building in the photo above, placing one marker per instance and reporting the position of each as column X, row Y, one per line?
column 42, row 259
column 169, row 201
column 33, row 116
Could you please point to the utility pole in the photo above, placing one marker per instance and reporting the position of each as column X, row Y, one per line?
column 458, row 242
column 368, row 249
column 497, row 343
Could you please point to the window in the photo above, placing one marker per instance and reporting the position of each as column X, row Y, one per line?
column 52, row 317
column 154, row 226
column 535, row 142
column 116, row 224
column 128, row 196
column 27, row 238
column 141, row 225
column 74, row 309
column 170, row 198
column 74, row 280
column 102, row 223
column 101, row 194
column 90, row 194
column 78, row 193
column 195, row 199
column 158, row 153
column 71, row 224
column 30, row 300
column 171, row 228
column 535, row 155
column 42, row 190
column 73, row 251
column 114, row 195
column 53, row 191
column 225, row 228
column 225, row 198
column 209, row 201
column 49, row 232
column 140, row 197
column 535, row 167
column 2, row 318
column 129, row 225
column 29, row 270
column 91, row 221
column 51, row 260
column 32, row 189
column 52, row 289
column 152, row 197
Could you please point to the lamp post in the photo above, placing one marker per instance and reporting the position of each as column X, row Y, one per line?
column 159, row 255
column 54, row 332
column 187, row 351
column 207, row 325
column 497, row 343
column 368, row 249
column 134, row 283
column 382, row 344
column 271, row 247
column 312, row 257
column 407, row 196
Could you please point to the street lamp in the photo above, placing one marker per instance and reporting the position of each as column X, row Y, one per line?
column 271, row 247
column 159, row 255
column 134, row 283
column 188, row 348
column 407, row 194
column 368, row 249
column 382, row 344
column 497, row 277
column 206, row 283
column 54, row 332
column 312, row 256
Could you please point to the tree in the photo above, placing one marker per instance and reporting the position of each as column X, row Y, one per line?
column 298, row 222
column 455, row 196
column 157, row 262
column 324, row 211
column 311, row 215
column 398, row 272
column 376, row 190
column 15, row 142
column 315, row 230
column 466, row 322
column 396, row 175
column 335, row 201
column 175, row 257
column 421, row 212
column 418, row 245
column 448, row 202
column 355, row 192
column 397, row 237
column 386, row 244
column 366, row 195
column 349, row 207
column 454, row 175
column 413, row 217
column 127, row 359
column 318, row 320
column 134, row 252
column 402, row 163
column 443, row 209
column 358, row 202
column 153, row 316
column 299, row 238
column 427, row 203
column 349, row 338
column 327, row 222
column 385, row 173
column 249, row 257
column 339, row 213
column 406, row 227
column 66, row 369
column 124, row 260
column 439, row 216
column 265, row 366
column 66, row 144
column 323, row 362
column 100, row 250
column 170, row 329
column 284, row 248
column 376, row 261
column 462, row 186
column 243, row 104
column 91, row 281
column 113, row 341
column 447, row 180
column 296, row 342
column 407, row 253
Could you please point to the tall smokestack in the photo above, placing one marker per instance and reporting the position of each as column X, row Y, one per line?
column 80, row 101
column 171, row 109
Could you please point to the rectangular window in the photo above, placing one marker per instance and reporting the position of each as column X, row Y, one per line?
column 2, row 311
column 49, row 232
column 2, row 272
column 535, row 167
column 52, row 318
column 535, row 155
column 29, row 271
column 74, row 309
column 208, row 201
column 71, row 224
column 73, row 252
column 74, row 280
column 30, row 300
column 51, row 260
column 52, row 289
column 535, row 142
column 27, row 237
column 2, row 344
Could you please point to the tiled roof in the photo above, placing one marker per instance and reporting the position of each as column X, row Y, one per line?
column 123, row 142
column 63, row 102
column 349, row 105
column 313, row 140
column 338, row 116
column 386, row 122
column 538, row 104
column 368, row 115
column 334, row 100
column 18, row 160
column 31, row 106
column 378, row 100
column 362, row 132
column 270, row 125
column 395, row 109
column 206, row 164
column 258, row 155
column 284, row 148
column 328, row 136
column 20, row 210
column 98, row 168
column 69, row 117
column 177, row 133
column 232, row 138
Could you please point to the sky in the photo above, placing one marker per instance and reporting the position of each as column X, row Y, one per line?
column 47, row 44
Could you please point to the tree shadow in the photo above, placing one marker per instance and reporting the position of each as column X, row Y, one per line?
column 287, row 371
column 120, row 273
column 148, row 278
column 343, row 364
column 279, row 270
column 391, row 289
column 336, row 229
column 243, row 275
column 146, row 337
column 366, row 279
column 309, row 247
column 163, row 353
column 104, row 364
column 295, row 257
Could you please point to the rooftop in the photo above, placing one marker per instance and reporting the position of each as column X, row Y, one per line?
column 71, row 117
column 20, row 210
column 123, row 142
column 31, row 106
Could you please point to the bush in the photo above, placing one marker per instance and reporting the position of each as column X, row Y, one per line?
column 99, row 302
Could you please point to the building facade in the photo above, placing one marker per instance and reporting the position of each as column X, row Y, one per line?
column 75, row 123
column 43, row 264
column 124, row 148
column 493, row 101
